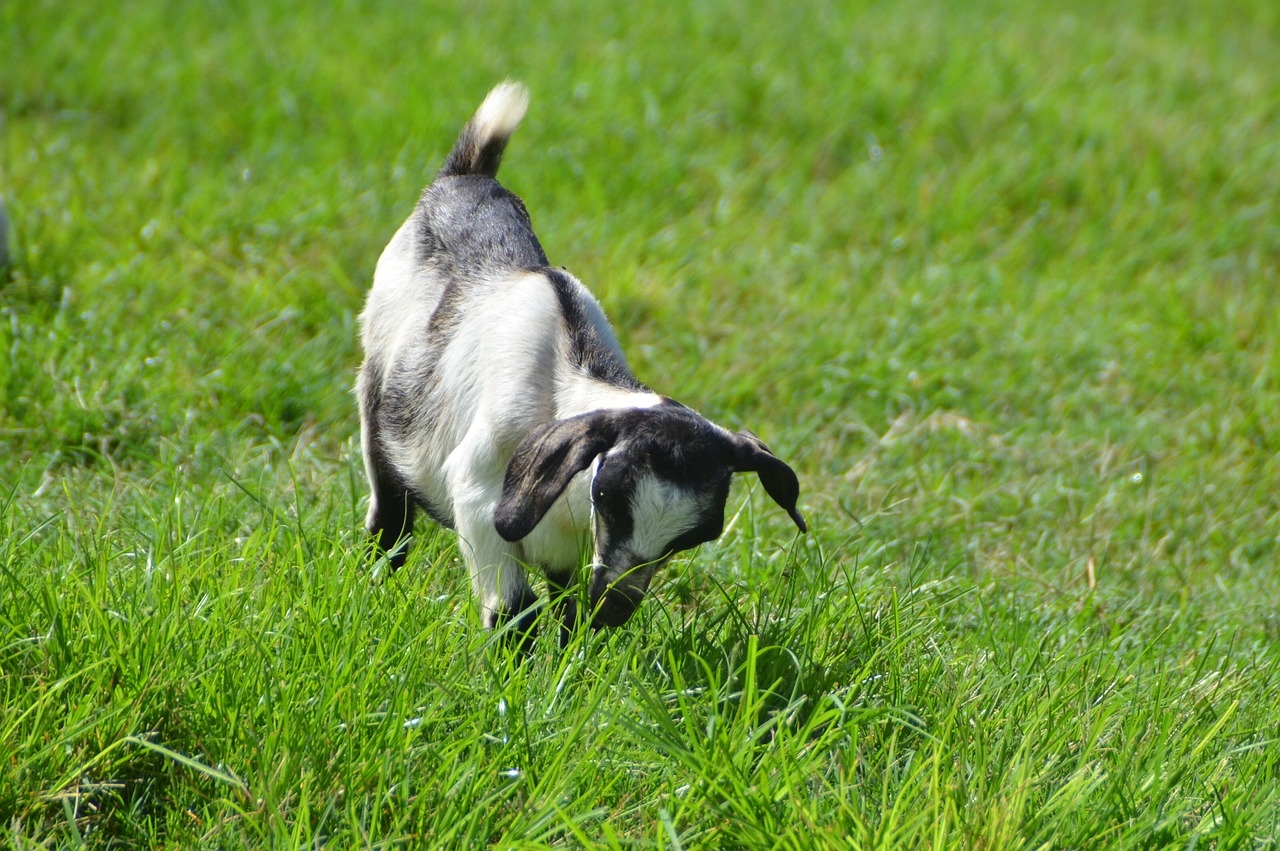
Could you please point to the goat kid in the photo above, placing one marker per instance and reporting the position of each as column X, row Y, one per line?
column 494, row 396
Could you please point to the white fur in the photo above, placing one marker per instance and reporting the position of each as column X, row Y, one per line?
column 503, row 109
column 661, row 512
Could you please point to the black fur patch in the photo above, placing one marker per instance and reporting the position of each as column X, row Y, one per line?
column 587, row 348
column 470, row 156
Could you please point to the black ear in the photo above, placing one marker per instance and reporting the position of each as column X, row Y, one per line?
column 543, row 465
column 750, row 455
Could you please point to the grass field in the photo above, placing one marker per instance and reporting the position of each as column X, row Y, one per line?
column 999, row 279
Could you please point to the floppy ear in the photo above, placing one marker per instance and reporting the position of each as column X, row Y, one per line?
column 543, row 465
column 750, row 455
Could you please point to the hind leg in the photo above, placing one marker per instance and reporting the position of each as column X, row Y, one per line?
column 389, row 522
column 563, row 603
column 391, row 506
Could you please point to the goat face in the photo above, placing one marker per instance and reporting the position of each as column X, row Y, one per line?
column 648, row 503
column 659, row 480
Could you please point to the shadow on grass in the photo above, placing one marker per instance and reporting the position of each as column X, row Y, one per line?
column 824, row 638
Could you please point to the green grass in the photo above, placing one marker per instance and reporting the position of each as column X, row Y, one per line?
column 999, row 279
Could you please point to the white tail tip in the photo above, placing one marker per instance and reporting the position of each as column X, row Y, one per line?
column 501, row 111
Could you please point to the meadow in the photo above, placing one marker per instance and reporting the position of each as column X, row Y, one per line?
column 999, row 279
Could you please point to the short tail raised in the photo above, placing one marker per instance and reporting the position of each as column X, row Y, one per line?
column 479, row 147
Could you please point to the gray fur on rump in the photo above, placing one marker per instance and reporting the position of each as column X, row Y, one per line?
column 495, row 397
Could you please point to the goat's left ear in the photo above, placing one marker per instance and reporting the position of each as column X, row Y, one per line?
column 750, row 455
column 543, row 465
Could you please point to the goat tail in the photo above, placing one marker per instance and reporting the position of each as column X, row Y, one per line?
column 480, row 145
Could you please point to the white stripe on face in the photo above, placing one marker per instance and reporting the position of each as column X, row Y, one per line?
column 661, row 511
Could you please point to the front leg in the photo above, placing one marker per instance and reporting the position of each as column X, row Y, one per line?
column 498, row 579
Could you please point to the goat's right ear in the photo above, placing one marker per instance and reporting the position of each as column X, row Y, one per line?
column 779, row 480
column 543, row 465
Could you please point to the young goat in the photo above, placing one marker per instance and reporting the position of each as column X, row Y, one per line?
column 494, row 396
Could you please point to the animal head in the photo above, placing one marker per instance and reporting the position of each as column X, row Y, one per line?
column 660, row 479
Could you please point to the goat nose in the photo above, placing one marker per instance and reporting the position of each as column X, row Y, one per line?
column 612, row 608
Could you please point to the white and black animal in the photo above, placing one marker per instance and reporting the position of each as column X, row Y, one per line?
column 494, row 396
